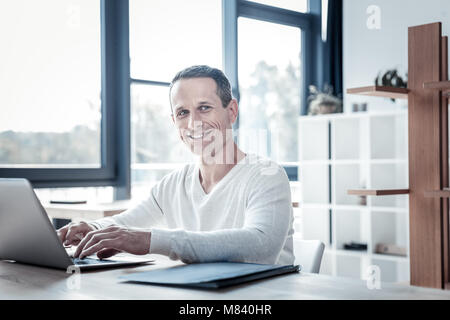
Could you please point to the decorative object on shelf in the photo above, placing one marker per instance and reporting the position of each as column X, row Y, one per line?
column 391, row 249
column 391, row 78
column 355, row 246
column 363, row 198
column 359, row 107
column 323, row 102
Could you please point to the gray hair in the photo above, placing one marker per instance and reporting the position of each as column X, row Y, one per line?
column 203, row 71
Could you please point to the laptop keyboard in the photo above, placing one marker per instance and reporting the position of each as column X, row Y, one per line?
column 87, row 261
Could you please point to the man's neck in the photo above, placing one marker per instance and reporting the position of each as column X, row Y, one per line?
column 211, row 172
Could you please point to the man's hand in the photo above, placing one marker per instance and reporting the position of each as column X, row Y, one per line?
column 110, row 241
column 71, row 234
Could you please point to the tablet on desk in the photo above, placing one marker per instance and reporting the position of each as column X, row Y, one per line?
column 212, row 275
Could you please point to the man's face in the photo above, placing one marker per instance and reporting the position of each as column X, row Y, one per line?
column 199, row 115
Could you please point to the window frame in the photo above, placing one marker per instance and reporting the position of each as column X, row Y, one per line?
column 115, row 124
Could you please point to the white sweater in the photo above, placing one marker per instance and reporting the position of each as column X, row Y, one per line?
column 247, row 217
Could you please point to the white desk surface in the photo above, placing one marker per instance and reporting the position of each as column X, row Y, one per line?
column 19, row 281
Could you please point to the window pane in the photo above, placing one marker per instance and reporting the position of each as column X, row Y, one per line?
column 294, row 5
column 156, row 148
column 50, row 78
column 269, row 83
column 169, row 35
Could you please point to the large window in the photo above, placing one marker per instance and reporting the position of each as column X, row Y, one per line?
column 166, row 36
column 85, row 83
column 51, row 82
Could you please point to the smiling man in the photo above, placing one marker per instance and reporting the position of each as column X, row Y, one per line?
column 229, row 206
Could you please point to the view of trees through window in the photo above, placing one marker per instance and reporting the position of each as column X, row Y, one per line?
column 270, row 86
column 39, row 149
column 51, row 81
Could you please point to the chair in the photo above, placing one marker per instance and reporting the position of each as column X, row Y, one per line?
column 308, row 253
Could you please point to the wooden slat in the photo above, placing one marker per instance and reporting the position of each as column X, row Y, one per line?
column 445, row 168
column 437, row 85
column 445, row 194
column 378, row 91
column 425, row 155
column 390, row 192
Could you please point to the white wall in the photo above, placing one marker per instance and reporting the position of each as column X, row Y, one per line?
column 366, row 51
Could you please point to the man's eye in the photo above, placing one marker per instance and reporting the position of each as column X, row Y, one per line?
column 181, row 113
column 204, row 108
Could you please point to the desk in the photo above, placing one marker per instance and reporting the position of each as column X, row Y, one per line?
column 88, row 211
column 19, row 281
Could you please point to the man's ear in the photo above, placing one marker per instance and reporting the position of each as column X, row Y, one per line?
column 233, row 109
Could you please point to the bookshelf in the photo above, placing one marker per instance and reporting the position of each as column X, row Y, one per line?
column 338, row 152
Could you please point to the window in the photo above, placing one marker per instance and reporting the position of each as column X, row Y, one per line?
column 85, row 83
column 273, row 63
column 269, row 57
column 156, row 149
column 166, row 36
column 63, row 116
column 51, row 83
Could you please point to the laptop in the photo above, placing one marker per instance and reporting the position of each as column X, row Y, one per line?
column 28, row 236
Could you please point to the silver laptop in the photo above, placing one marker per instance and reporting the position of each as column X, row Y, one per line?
column 28, row 236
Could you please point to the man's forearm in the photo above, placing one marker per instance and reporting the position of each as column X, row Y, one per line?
column 237, row 245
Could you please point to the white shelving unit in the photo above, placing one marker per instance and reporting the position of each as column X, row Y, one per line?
column 362, row 150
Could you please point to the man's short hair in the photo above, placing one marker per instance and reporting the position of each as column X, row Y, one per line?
column 203, row 71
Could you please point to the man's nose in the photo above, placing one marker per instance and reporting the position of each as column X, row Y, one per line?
column 195, row 122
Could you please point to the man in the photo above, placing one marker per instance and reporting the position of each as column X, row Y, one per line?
column 230, row 206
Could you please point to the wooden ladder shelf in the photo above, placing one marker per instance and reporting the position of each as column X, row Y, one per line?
column 427, row 93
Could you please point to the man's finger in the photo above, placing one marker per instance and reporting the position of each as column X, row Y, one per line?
column 106, row 253
column 88, row 237
column 83, row 242
column 96, row 238
column 74, row 235
column 103, row 244
column 62, row 233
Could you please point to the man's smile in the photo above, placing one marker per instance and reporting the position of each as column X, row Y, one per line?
column 198, row 136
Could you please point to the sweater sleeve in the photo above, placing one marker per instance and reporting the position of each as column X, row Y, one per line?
column 268, row 218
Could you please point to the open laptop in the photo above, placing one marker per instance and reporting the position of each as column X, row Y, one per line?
column 28, row 236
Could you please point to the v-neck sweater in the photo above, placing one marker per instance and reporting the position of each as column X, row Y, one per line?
column 246, row 217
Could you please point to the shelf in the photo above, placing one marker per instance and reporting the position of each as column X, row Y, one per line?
column 352, row 161
column 388, row 161
column 378, row 91
column 350, row 207
column 363, row 192
column 445, row 193
column 350, row 115
column 364, row 253
column 443, row 86
column 437, row 85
